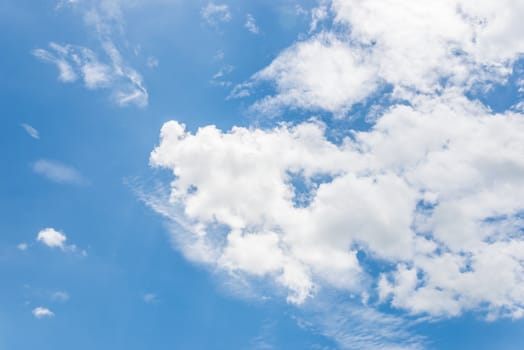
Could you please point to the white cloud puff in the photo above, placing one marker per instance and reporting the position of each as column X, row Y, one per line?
column 42, row 312
column 51, row 238
column 56, row 239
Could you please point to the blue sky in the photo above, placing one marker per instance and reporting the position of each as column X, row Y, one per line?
column 329, row 174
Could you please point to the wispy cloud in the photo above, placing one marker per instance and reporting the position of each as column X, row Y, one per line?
column 60, row 296
column 66, row 72
column 58, row 172
column 219, row 78
column 22, row 246
column 355, row 327
column 42, row 312
column 104, row 67
column 73, row 61
column 251, row 24
column 31, row 131
column 216, row 13
column 150, row 298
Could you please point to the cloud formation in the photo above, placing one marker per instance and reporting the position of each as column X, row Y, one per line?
column 216, row 13
column 42, row 312
column 52, row 238
column 434, row 189
column 31, row 131
column 251, row 24
column 422, row 211
column 58, row 172
column 421, row 47
column 104, row 67
column 77, row 62
column 56, row 239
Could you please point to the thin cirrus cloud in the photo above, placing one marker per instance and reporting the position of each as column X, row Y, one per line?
column 104, row 68
column 150, row 298
column 31, row 131
column 214, row 13
column 60, row 296
column 58, row 172
column 77, row 62
column 433, row 190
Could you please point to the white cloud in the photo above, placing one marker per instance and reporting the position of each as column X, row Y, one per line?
column 103, row 68
column 58, row 172
column 251, row 24
column 322, row 73
column 215, row 13
column 150, row 298
column 152, row 62
column 56, row 239
column 52, row 238
column 42, row 312
column 412, row 46
column 60, row 296
column 22, row 246
column 318, row 14
column 65, row 70
column 31, row 131
column 434, row 188
column 124, row 82
column 219, row 78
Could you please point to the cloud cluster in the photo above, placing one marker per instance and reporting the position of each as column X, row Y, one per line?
column 434, row 189
column 216, row 13
column 421, row 47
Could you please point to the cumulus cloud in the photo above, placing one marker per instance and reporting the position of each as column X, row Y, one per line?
column 433, row 188
column 22, row 246
column 55, row 239
column 42, row 312
column 216, row 13
column 421, row 212
column 322, row 73
column 58, row 172
column 421, row 47
column 51, row 238
column 220, row 77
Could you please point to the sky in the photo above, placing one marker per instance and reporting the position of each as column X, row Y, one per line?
column 333, row 174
